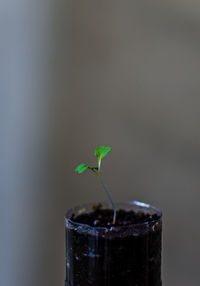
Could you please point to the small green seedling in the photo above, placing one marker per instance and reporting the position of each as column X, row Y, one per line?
column 100, row 153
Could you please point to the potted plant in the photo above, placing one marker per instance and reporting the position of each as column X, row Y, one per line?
column 113, row 246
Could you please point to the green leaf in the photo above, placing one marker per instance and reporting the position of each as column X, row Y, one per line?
column 81, row 168
column 102, row 151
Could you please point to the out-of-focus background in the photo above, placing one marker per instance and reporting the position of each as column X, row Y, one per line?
column 78, row 74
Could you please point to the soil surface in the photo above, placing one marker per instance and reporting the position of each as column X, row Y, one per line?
column 104, row 218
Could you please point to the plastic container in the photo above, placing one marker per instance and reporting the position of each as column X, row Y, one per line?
column 124, row 255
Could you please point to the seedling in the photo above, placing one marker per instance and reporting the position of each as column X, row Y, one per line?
column 100, row 153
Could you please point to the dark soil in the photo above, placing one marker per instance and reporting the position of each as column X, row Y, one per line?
column 104, row 218
column 128, row 254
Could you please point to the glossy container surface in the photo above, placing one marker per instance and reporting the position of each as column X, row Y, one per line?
column 101, row 256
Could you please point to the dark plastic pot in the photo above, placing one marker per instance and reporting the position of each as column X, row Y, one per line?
column 126, row 255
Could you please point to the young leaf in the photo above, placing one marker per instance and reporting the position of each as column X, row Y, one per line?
column 102, row 151
column 81, row 168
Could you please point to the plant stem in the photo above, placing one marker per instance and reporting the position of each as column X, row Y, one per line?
column 109, row 197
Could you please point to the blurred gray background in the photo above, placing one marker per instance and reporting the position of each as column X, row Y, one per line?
column 78, row 74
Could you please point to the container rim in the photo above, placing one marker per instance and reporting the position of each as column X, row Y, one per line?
column 83, row 208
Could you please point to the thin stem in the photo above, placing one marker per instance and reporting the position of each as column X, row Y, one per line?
column 99, row 164
column 109, row 197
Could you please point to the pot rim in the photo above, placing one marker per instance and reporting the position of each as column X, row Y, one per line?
column 83, row 208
